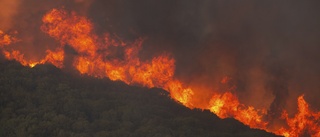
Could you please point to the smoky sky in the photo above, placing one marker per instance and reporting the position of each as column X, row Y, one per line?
column 269, row 49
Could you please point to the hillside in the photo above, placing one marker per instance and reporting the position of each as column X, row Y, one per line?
column 46, row 101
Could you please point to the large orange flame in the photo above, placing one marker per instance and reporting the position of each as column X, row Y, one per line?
column 94, row 57
column 305, row 121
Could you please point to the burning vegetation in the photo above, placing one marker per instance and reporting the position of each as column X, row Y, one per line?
column 95, row 56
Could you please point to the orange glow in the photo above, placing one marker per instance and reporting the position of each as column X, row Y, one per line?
column 94, row 57
column 225, row 80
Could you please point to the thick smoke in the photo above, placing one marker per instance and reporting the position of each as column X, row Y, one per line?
column 267, row 49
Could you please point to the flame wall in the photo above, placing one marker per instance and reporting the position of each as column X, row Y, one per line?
column 260, row 45
column 248, row 54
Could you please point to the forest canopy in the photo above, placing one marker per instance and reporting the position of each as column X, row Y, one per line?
column 46, row 101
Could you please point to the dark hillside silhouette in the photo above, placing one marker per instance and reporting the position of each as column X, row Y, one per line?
column 46, row 101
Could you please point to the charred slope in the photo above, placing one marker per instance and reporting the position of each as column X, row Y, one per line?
column 45, row 101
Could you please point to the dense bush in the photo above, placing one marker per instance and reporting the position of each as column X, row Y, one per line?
column 45, row 101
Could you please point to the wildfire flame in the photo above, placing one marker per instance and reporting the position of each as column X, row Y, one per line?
column 94, row 58
column 6, row 39
column 304, row 121
column 54, row 57
column 227, row 105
